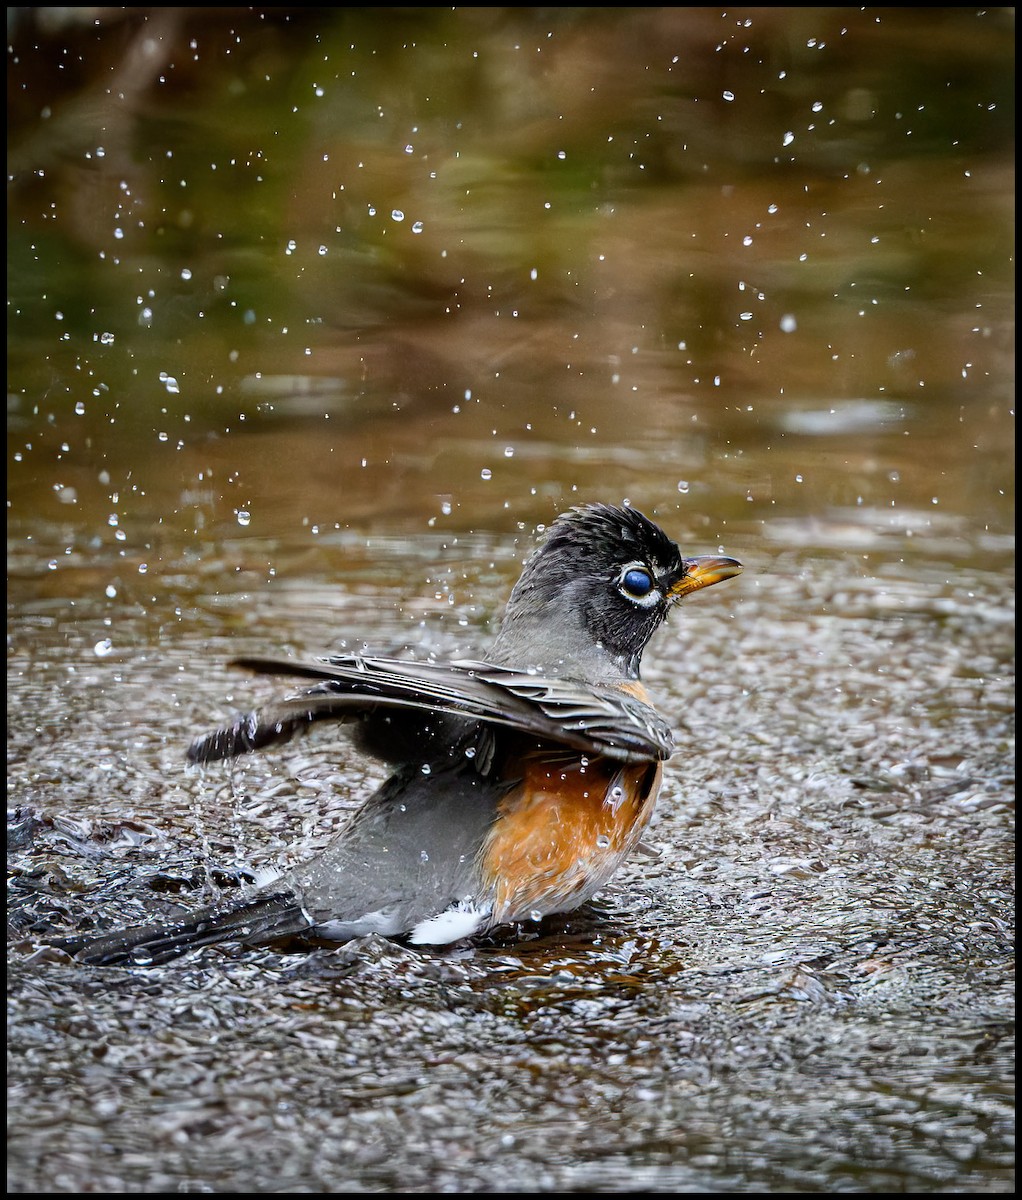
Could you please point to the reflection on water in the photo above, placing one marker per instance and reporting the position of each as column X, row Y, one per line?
column 314, row 316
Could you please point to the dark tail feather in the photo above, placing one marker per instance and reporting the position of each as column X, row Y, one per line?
column 265, row 919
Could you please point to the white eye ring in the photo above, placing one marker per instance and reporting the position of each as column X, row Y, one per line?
column 633, row 579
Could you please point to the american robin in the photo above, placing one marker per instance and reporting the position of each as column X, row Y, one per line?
column 520, row 781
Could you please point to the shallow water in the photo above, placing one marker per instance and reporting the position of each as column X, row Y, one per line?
column 252, row 409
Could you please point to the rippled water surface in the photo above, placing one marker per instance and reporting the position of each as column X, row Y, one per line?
column 315, row 316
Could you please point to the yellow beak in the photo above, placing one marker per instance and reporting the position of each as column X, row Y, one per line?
column 701, row 572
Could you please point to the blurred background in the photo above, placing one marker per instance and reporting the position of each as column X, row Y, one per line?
column 315, row 317
column 417, row 270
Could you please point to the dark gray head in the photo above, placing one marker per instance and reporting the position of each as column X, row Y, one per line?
column 596, row 590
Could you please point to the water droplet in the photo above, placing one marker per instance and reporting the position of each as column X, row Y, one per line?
column 244, row 518
column 684, row 486
column 103, row 648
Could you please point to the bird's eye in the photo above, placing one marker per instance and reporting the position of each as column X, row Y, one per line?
column 636, row 582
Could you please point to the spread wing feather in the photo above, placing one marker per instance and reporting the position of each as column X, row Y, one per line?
column 593, row 720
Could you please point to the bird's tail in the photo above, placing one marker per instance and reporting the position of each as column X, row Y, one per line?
column 262, row 919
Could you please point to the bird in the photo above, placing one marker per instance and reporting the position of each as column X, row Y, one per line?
column 519, row 781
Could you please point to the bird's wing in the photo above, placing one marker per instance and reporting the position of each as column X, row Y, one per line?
column 599, row 719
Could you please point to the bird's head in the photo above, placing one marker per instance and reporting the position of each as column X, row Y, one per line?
column 595, row 591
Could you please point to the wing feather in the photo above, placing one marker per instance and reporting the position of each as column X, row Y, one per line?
column 589, row 719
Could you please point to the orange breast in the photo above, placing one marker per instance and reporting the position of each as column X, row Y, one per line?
column 563, row 832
